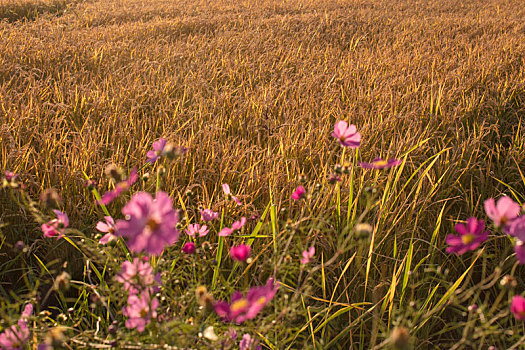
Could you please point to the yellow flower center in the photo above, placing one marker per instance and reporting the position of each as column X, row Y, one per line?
column 143, row 313
column 261, row 300
column 239, row 304
column 381, row 163
column 468, row 238
column 152, row 224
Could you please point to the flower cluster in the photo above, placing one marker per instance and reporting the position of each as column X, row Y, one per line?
column 56, row 227
column 17, row 336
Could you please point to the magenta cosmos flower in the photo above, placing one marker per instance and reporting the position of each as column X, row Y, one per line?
column 299, row 193
column 196, row 230
column 240, row 252
column 469, row 237
column 516, row 228
column 517, row 307
column 140, row 310
column 209, row 215
column 227, row 191
column 137, row 276
column 122, row 186
column 380, row 163
column 347, row 135
column 56, row 227
column 189, row 248
column 244, row 308
column 308, row 255
column 150, row 226
column 502, row 212
column 108, row 228
column 10, row 176
column 159, row 149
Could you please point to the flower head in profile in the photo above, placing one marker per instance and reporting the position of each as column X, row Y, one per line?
column 243, row 308
column 237, row 225
column 196, row 230
column 56, row 227
column 240, row 252
column 120, row 187
column 519, row 249
column 503, row 211
column 137, row 276
column 227, row 191
column 469, row 237
column 208, row 215
column 308, row 255
column 517, row 307
column 150, row 226
column 189, row 248
column 380, row 163
column 159, row 150
column 347, row 135
column 299, row 193
column 140, row 310
column 516, row 228
column 108, row 228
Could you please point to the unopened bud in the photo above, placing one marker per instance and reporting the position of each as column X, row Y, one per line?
column 400, row 338
column 509, row 282
column 62, row 281
column 363, row 230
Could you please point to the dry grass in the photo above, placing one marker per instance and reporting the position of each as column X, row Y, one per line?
column 253, row 88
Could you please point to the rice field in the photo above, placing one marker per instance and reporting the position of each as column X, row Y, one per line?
column 252, row 89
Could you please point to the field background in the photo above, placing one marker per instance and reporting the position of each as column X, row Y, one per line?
column 253, row 88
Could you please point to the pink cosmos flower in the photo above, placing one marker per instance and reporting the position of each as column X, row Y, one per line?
column 347, row 135
column 227, row 192
column 10, row 176
column 151, row 223
column 158, row 150
column 517, row 307
column 248, row 343
column 244, row 308
column 516, row 228
column 307, row 255
column 240, row 252
column 122, row 186
column 56, row 227
column 197, row 230
column 16, row 337
column 109, row 228
column 137, row 276
column 140, row 310
column 189, row 248
column 502, row 212
column 299, row 193
column 469, row 238
column 519, row 249
column 208, row 215
column 380, row 163
column 237, row 225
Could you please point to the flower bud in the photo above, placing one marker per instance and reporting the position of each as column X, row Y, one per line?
column 50, row 198
column 400, row 338
column 62, row 281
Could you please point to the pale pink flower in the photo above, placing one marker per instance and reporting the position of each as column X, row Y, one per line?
column 17, row 336
column 209, row 215
column 107, row 227
column 502, row 212
column 56, row 227
column 519, row 249
column 307, row 255
column 136, row 276
column 197, row 230
column 151, row 223
column 227, row 192
column 140, row 310
column 159, row 147
column 347, row 135
column 237, row 225
column 516, row 228
column 122, row 186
